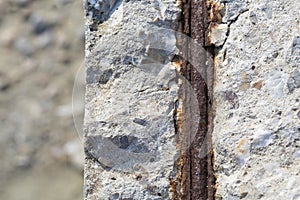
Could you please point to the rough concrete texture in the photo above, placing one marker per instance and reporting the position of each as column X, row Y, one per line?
column 131, row 96
column 256, row 128
column 130, row 99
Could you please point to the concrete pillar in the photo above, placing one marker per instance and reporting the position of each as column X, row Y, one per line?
column 192, row 99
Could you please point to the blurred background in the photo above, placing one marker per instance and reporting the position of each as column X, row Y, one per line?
column 41, row 50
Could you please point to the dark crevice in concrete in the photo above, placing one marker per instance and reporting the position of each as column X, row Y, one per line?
column 229, row 26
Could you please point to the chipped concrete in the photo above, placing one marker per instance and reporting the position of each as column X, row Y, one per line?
column 131, row 94
column 256, row 127
column 133, row 109
column 218, row 34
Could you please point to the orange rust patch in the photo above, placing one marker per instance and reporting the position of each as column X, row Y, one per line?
column 172, row 190
column 179, row 2
column 178, row 64
column 213, row 25
column 215, row 11
column 179, row 118
column 214, row 17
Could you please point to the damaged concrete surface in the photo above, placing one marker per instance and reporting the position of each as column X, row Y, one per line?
column 146, row 111
column 256, row 128
column 134, row 109
column 131, row 95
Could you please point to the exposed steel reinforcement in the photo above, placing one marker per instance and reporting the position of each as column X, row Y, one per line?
column 195, row 178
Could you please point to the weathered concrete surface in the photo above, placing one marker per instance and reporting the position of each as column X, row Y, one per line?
column 256, row 128
column 131, row 95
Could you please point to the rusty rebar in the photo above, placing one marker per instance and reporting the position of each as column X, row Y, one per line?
column 196, row 178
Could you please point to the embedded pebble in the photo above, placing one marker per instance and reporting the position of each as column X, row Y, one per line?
column 275, row 82
column 294, row 81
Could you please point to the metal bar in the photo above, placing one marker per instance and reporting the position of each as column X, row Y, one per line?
column 197, row 178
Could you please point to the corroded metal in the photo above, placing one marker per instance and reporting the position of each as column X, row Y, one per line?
column 195, row 176
column 199, row 163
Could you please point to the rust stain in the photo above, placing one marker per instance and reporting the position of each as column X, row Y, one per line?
column 215, row 12
column 177, row 63
column 195, row 178
column 198, row 163
column 173, row 190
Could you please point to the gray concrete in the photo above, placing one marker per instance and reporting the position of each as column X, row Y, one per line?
column 256, row 128
column 130, row 99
